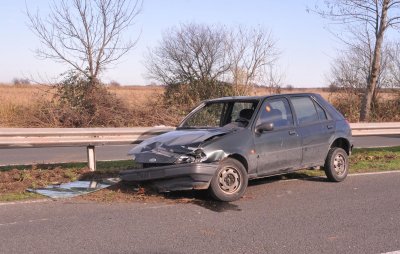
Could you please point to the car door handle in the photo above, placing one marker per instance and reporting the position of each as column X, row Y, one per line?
column 292, row 132
column 329, row 126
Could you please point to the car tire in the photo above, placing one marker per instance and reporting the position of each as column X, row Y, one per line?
column 336, row 164
column 230, row 181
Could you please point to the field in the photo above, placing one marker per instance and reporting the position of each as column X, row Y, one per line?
column 18, row 103
column 27, row 94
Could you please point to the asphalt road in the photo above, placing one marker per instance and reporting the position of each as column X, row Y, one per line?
column 359, row 215
column 21, row 156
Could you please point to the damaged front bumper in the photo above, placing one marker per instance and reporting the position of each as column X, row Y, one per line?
column 186, row 176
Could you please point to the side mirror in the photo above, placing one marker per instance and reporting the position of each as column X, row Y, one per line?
column 268, row 126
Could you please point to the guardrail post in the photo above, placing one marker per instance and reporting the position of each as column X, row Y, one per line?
column 91, row 156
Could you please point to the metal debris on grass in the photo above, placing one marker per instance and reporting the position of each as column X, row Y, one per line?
column 73, row 189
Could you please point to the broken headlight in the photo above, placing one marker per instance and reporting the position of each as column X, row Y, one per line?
column 196, row 156
column 199, row 155
column 185, row 159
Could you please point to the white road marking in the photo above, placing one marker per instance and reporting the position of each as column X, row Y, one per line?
column 354, row 174
column 25, row 202
column 20, row 222
column 393, row 252
column 375, row 173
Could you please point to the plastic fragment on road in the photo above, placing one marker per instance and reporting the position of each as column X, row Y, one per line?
column 73, row 189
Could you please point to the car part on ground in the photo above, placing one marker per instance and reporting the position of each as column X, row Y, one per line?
column 74, row 189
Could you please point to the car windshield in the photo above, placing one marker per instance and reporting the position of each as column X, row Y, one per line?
column 221, row 114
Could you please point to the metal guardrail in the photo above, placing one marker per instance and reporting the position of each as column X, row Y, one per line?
column 84, row 137
column 45, row 137
column 92, row 137
column 370, row 129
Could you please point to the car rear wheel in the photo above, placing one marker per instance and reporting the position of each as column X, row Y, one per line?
column 336, row 165
column 230, row 181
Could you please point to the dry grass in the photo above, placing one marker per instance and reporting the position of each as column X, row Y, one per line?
column 23, row 95
column 136, row 95
column 18, row 103
column 132, row 95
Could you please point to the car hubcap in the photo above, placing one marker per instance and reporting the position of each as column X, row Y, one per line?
column 229, row 180
column 339, row 164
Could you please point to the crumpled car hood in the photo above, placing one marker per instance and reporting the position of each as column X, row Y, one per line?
column 168, row 147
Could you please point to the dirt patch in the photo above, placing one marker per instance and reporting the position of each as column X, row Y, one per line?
column 124, row 192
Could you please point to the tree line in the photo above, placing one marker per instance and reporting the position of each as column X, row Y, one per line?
column 199, row 61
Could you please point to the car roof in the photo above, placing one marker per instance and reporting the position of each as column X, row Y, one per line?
column 260, row 97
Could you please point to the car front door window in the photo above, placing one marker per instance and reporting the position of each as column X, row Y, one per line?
column 277, row 112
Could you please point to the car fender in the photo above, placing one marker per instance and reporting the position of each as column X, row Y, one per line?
column 238, row 143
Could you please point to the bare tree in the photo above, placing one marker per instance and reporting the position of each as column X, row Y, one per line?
column 86, row 34
column 394, row 65
column 252, row 55
column 201, row 55
column 189, row 53
column 378, row 16
column 352, row 68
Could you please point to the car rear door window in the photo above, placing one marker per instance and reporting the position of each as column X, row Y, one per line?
column 305, row 110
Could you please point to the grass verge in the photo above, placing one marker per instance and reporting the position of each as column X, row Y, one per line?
column 101, row 165
column 15, row 179
column 365, row 160
column 19, row 196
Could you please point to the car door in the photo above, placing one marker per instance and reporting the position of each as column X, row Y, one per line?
column 278, row 150
column 314, row 128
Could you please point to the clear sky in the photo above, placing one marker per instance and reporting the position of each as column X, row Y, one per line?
column 307, row 48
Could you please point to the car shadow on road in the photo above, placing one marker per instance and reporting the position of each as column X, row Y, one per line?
column 146, row 192
column 128, row 191
column 291, row 176
column 203, row 199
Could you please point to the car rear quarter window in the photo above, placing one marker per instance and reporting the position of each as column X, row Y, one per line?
column 321, row 112
column 305, row 110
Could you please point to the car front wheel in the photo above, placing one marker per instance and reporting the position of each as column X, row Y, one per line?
column 230, row 181
column 336, row 165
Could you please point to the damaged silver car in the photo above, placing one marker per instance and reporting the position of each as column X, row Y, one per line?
column 225, row 142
